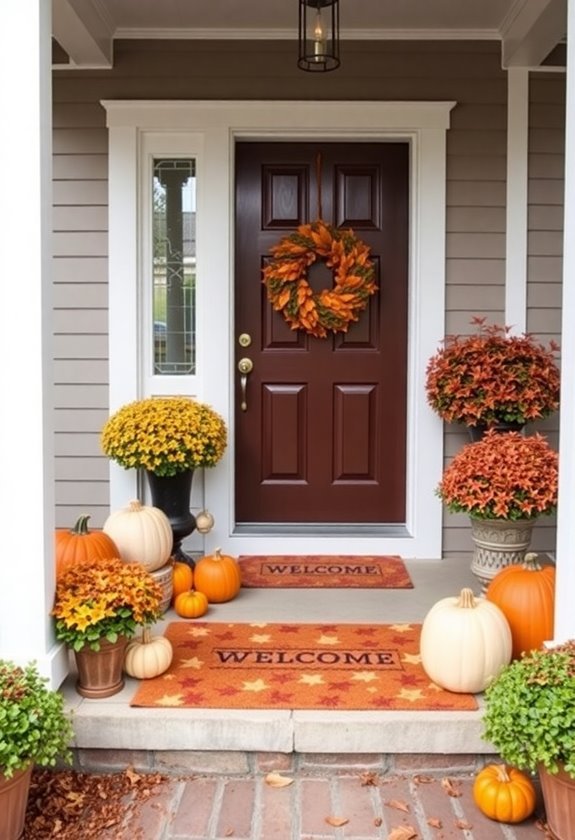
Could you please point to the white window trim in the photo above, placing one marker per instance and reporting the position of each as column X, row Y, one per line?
column 216, row 126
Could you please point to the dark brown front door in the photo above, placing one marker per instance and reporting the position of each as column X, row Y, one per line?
column 323, row 435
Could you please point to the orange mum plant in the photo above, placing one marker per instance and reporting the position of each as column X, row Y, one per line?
column 104, row 601
column 493, row 377
column 503, row 476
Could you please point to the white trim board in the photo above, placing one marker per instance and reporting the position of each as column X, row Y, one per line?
column 423, row 125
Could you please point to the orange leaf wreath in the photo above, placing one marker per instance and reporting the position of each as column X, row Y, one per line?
column 285, row 278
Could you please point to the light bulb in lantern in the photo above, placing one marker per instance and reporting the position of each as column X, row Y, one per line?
column 318, row 37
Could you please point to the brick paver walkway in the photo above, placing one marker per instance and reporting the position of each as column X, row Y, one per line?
column 334, row 804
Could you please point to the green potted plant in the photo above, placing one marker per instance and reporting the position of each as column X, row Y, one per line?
column 529, row 717
column 493, row 378
column 98, row 607
column 504, row 482
column 34, row 730
column 168, row 438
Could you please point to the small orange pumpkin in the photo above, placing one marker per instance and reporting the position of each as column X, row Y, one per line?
column 80, row 545
column 218, row 577
column 191, row 604
column 525, row 593
column 182, row 578
column 504, row 794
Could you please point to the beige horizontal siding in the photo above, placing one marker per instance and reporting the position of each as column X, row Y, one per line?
column 80, row 218
column 80, row 193
column 468, row 73
column 80, row 296
column 88, row 346
column 78, row 420
column 81, row 321
column 81, row 371
column 90, row 269
column 484, row 272
column 77, row 445
column 545, row 269
column 476, row 193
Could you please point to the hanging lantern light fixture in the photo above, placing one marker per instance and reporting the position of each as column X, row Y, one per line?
column 318, row 35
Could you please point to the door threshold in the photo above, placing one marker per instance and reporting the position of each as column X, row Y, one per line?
column 320, row 529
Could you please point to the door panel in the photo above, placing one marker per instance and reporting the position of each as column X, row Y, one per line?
column 323, row 439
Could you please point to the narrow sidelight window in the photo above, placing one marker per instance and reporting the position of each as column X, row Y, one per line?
column 174, row 266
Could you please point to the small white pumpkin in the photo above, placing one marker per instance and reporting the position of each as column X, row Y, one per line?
column 464, row 643
column 148, row 656
column 142, row 533
column 204, row 522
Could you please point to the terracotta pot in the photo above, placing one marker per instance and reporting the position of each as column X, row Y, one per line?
column 100, row 672
column 559, row 797
column 13, row 801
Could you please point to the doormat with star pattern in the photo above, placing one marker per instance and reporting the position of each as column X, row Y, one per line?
column 296, row 666
column 324, row 572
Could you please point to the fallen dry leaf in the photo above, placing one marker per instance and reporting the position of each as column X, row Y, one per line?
column 434, row 822
column 403, row 832
column 398, row 804
column 132, row 775
column 229, row 832
column 336, row 821
column 274, row 779
column 377, row 822
column 449, row 787
column 463, row 825
column 369, row 778
column 68, row 805
column 419, row 779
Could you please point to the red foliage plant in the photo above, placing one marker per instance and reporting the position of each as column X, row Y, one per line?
column 493, row 377
column 503, row 476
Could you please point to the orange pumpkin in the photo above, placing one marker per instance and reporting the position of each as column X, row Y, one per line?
column 525, row 593
column 218, row 577
column 80, row 545
column 192, row 604
column 504, row 794
column 182, row 579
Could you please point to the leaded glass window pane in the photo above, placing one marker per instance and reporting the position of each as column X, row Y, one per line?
column 174, row 266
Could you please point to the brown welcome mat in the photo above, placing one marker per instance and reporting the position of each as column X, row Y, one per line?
column 296, row 666
column 331, row 571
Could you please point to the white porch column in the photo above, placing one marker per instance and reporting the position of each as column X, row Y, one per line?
column 517, row 179
column 565, row 587
column 26, row 424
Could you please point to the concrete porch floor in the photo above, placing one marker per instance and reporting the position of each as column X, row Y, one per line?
column 180, row 738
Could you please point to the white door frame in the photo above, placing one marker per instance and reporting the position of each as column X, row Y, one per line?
column 211, row 129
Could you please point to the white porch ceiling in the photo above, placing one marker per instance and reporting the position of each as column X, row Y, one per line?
column 528, row 29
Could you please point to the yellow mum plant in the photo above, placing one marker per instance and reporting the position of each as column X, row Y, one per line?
column 104, row 600
column 165, row 435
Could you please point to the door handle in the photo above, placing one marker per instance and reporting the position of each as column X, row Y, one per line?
column 245, row 367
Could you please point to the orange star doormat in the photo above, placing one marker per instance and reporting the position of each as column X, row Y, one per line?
column 296, row 666
column 332, row 571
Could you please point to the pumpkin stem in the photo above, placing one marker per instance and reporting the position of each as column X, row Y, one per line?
column 135, row 505
column 467, row 599
column 81, row 526
column 146, row 635
column 218, row 554
column 531, row 562
column 502, row 774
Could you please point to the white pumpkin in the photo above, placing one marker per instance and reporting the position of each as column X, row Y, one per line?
column 204, row 522
column 148, row 656
column 464, row 643
column 142, row 533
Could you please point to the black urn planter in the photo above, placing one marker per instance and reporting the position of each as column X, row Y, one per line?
column 171, row 494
